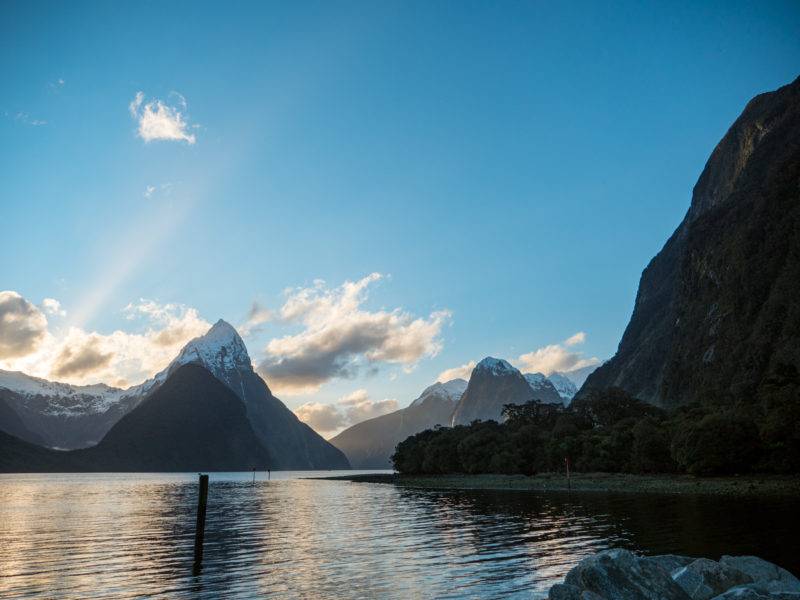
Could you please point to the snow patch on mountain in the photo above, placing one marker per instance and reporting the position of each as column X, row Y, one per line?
column 62, row 398
column 452, row 390
column 565, row 387
column 536, row 380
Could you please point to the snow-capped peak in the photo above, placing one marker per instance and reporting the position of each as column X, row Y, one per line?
column 221, row 350
column 496, row 366
column 452, row 390
column 220, row 347
column 535, row 380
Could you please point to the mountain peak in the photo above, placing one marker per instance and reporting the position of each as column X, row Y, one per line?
column 221, row 346
column 222, row 330
column 496, row 366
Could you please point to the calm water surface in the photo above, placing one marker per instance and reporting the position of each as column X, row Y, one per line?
column 123, row 535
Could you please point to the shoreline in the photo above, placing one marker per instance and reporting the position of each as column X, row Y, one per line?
column 737, row 486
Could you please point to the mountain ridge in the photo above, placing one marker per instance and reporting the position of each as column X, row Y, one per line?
column 291, row 443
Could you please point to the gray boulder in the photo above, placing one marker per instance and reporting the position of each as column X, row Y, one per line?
column 755, row 591
column 763, row 572
column 703, row 579
column 621, row 575
column 669, row 563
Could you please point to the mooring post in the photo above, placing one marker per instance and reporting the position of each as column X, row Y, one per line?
column 200, row 529
column 569, row 481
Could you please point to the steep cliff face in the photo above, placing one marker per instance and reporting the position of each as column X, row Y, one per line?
column 717, row 309
column 492, row 384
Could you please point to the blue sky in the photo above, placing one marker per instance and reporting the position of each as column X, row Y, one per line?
column 513, row 164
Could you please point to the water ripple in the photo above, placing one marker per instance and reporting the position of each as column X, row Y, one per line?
column 126, row 536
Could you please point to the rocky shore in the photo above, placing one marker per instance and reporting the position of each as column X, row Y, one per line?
column 622, row 575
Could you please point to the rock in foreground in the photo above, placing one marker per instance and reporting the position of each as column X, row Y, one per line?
column 622, row 575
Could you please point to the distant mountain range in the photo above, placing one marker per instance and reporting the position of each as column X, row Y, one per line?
column 59, row 415
column 236, row 420
column 717, row 316
column 371, row 443
column 493, row 384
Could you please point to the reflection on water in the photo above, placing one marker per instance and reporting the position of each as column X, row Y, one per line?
column 124, row 535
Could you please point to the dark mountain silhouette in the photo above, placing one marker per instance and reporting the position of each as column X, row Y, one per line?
column 68, row 416
column 19, row 456
column 543, row 388
column 61, row 415
column 717, row 311
column 371, row 443
column 291, row 443
column 11, row 423
column 192, row 422
column 493, row 384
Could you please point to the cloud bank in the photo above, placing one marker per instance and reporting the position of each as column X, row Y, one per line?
column 461, row 372
column 29, row 343
column 547, row 359
column 339, row 337
column 556, row 357
column 22, row 326
column 328, row 419
column 158, row 120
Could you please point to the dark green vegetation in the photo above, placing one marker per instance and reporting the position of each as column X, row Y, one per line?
column 609, row 431
column 717, row 312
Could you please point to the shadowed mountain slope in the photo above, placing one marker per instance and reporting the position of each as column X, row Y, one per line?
column 192, row 422
column 717, row 310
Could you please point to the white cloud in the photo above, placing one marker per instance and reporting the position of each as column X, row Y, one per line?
column 160, row 121
column 339, row 337
column 358, row 406
column 461, row 372
column 26, row 119
column 329, row 419
column 576, row 339
column 23, row 327
column 556, row 357
column 148, row 191
column 78, row 356
column 53, row 307
column 322, row 418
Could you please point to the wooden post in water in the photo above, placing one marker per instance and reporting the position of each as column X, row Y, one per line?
column 200, row 529
column 569, row 481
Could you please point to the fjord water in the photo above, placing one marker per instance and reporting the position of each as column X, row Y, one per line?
column 131, row 535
